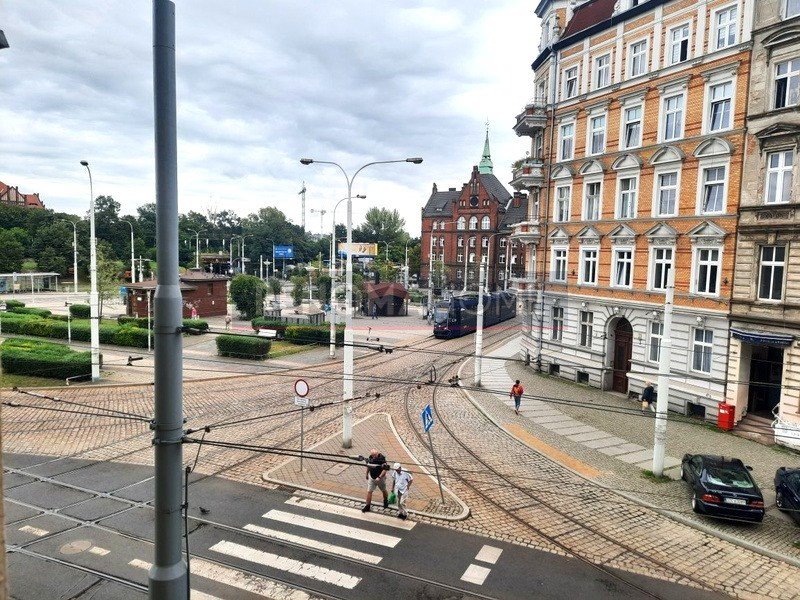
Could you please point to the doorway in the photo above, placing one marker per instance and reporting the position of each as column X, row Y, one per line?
column 766, row 373
column 623, row 350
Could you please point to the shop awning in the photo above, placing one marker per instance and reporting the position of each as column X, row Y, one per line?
column 762, row 338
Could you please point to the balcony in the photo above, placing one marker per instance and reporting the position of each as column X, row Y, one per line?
column 532, row 119
column 527, row 232
column 525, row 284
column 528, row 173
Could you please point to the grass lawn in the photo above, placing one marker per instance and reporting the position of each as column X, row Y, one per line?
column 281, row 348
column 8, row 380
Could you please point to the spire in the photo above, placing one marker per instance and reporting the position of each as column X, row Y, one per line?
column 485, row 166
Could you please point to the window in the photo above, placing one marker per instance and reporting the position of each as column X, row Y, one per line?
column 563, row 193
column 628, row 187
column 558, row 323
column 460, row 257
column 441, row 242
column 773, row 261
column 473, row 223
column 570, row 83
column 792, row 8
column 559, row 264
column 485, row 241
column 587, row 319
column 701, row 352
column 459, row 274
column 678, row 44
column 472, row 257
column 656, row 333
column 588, row 266
column 472, row 242
column 779, row 176
column 638, row 57
column 460, row 241
column 720, row 106
column 714, row 189
column 707, row 271
column 486, row 223
column 461, row 223
column 567, row 141
column 667, row 193
column 592, row 202
column 434, row 226
column 597, row 133
column 502, row 242
column 725, row 25
column 434, row 240
column 662, row 263
column 602, row 71
column 787, row 83
column 632, row 127
column 673, row 117
column 623, row 268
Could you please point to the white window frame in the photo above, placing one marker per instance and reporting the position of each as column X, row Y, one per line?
column 702, row 167
column 593, row 129
column 585, row 207
column 558, row 199
column 473, row 223
column 471, row 257
column 657, row 173
column 485, row 241
column 486, row 223
column 669, row 57
column 568, row 79
column 772, row 265
column 728, row 27
column 582, row 266
column 696, row 269
column 667, row 265
column 706, row 350
column 461, row 224
column 460, row 257
column 652, row 336
column 556, row 261
column 634, row 205
column 709, row 102
column 585, row 328
column 557, row 323
column 615, row 260
column 791, row 76
column 471, row 241
column 601, row 79
column 623, row 136
column 633, row 56
column 562, row 138
column 781, row 173
column 791, row 8
column 662, row 125
column 460, row 241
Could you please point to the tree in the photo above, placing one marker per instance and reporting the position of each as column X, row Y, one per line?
column 382, row 224
column 298, row 289
column 53, row 262
column 108, row 274
column 12, row 254
column 274, row 285
column 324, row 286
column 414, row 259
column 247, row 293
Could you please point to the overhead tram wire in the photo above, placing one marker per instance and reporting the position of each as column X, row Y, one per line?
column 81, row 404
column 76, row 412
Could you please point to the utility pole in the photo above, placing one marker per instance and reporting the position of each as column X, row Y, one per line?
column 662, row 400
column 302, row 194
column 479, row 330
column 430, row 275
column 168, row 577
column 196, row 247
column 261, row 267
column 133, row 255
column 94, row 297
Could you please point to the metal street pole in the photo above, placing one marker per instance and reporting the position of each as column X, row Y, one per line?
column 405, row 269
column 347, row 367
column 436, row 466
column 133, row 255
column 479, row 331
column 168, row 577
column 94, row 298
column 430, row 275
column 508, row 263
column 74, row 255
column 261, row 267
column 662, row 399
column 230, row 253
column 196, row 247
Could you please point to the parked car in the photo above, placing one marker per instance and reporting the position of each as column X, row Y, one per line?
column 787, row 491
column 722, row 487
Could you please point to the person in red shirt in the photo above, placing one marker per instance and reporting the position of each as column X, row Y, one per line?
column 516, row 392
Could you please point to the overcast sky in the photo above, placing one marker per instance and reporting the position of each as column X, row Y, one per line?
column 262, row 83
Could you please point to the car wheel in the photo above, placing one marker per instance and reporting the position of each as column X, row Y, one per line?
column 779, row 501
column 695, row 504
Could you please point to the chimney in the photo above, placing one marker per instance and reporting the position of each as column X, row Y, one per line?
column 435, row 189
column 452, row 189
column 517, row 201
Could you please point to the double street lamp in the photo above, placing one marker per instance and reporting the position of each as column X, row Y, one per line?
column 347, row 367
column 94, row 300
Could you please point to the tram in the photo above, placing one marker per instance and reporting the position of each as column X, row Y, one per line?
column 459, row 315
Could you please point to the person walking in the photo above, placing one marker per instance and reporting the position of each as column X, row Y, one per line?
column 374, row 311
column 648, row 397
column 401, row 485
column 376, row 478
column 516, row 392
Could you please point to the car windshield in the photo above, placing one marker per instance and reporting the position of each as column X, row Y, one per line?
column 728, row 476
column 440, row 315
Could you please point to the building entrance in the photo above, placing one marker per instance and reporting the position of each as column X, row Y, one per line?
column 623, row 350
column 766, row 373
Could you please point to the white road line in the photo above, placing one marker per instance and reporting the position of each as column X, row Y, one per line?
column 489, row 554
column 283, row 563
column 34, row 530
column 99, row 551
column 352, row 513
column 315, row 544
column 233, row 578
column 355, row 533
column 475, row 574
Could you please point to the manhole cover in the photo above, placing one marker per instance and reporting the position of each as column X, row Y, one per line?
column 76, row 547
column 337, row 469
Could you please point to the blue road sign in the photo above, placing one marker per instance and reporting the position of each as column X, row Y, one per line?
column 284, row 252
column 427, row 418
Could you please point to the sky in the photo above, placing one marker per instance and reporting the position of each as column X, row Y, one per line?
column 262, row 83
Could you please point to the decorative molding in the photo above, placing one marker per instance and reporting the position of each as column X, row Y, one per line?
column 774, row 213
column 729, row 70
column 679, row 83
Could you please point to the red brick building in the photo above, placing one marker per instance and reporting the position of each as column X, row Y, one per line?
column 11, row 196
column 207, row 293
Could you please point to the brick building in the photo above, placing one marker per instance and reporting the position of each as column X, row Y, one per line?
column 461, row 228
column 764, row 361
column 11, row 196
column 207, row 293
column 637, row 143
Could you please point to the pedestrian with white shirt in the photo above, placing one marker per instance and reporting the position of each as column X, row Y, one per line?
column 401, row 485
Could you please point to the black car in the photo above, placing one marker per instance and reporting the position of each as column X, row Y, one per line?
column 787, row 491
column 722, row 487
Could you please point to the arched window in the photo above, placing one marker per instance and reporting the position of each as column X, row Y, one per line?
column 486, row 223
column 485, row 242
column 473, row 222
column 434, row 226
column 472, row 257
column 472, row 242
column 462, row 223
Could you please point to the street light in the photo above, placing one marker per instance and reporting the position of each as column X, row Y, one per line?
column 74, row 253
column 387, row 248
column 133, row 255
column 347, row 367
column 94, row 313
column 322, row 213
column 230, row 250
column 405, row 278
column 196, row 247
column 243, row 237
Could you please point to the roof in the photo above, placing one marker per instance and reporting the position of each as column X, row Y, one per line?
column 10, row 195
column 496, row 189
column 440, row 204
column 195, row 275
column 381, row 290
column 485, row 166
column 515, row 214
column 586, row 15
column 151, row 284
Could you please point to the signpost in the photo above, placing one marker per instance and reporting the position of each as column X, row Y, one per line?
column 427, row 423
column 301, row 391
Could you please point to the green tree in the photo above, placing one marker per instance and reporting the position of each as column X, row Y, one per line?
column 384, row 225
column 274, row 285
column 50, row 260
column 247, row 293
column 12, row 254
column 298, row 289
column 324, row 287
column 108, row 274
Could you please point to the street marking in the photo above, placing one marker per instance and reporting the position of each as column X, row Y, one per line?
column 316, row 544
column 489, row 554
column 551, row 452
column 355, row 533
column 282, row 563
column 34, row 530
column 353, row 513
column 475, row 574
column 243, row 581
column 99, row 551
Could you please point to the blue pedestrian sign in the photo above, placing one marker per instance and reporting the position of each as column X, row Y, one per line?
column 427, row 418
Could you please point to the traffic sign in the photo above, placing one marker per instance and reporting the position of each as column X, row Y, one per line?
column 427, row 418
column 301, row 388
column 302, row 402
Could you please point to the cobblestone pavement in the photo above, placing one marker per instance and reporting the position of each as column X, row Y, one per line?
column 561, row 513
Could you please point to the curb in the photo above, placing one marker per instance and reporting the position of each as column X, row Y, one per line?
column 795, row 562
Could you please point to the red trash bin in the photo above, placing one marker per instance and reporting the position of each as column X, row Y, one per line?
column 726, row 414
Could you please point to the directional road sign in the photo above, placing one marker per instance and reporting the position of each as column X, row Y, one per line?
column 427, row 418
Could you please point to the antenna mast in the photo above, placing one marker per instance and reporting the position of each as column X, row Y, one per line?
column 303, row 194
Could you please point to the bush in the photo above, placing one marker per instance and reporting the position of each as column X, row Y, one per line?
column 312, row 334
column 80, row 311
column 141, row 322
column 39, row 312
column 241, row 346
column 123, row 320
column 131, row 336
column 43, row 359
column 265, row 323
column 14, row 304
column 247, row 293
column 196, row 324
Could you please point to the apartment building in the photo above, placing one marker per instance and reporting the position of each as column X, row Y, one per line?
column 764, row 362
column 638, row 127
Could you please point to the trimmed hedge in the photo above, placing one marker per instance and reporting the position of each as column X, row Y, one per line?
column 312, row 334
column 22, row 310
column 141, row 322
column 264, row 323
column 131, row 336
column 44, row 359
column 80, row 311
column 240, row 346
column 196, row 324
column 14, row 304
column 110, row 333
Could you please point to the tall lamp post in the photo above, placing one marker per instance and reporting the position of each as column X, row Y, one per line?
column 196, row 247
column 243, row 237
column 405, row 269
column 387, row 248
column 74, row 254
column 322, row 212
column 230, row 250
column 94, row 299
column 133, row 254
column 347, row 368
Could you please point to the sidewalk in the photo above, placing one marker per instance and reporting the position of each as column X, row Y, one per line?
column 611, row 444
column 347, row 481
